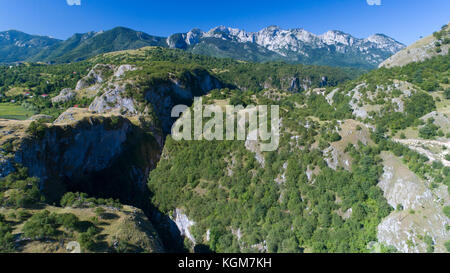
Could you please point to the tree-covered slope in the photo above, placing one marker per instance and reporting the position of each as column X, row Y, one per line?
column 335, row 182
column 18, row 46
column 83, row 46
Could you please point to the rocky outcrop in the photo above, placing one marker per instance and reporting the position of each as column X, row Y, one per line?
column 418, row 210
column 6, row 165
column 402, row 187
column 363, row 100
column 105, row 156
column 64, row 96
column 121, row 70
column 435, row 150
column 114, row 101
column 163, row 96
column 184, row 40
column 41, row 117
column 184, row 224
column 134, row 228
column 67, row 151
column 252, row 145
column 98, row 74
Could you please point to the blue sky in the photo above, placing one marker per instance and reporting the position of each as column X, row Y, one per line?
column 404, row 20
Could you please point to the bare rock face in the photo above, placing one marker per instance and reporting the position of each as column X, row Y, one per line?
column 295, row 85
column 361, row 94
column 435, row 150
column 165, row 96
column 41, row 117
column 96, row 76
column 101, row 155
column 120, row 71
column 162, row 97
column 65, row 95
column 184, row 224
column 421, row 210
column 358, row 111
column 406, row 232
column 252, row 144
column 331, row 157
column 89, row 146
column 406, row 190
column 6, row 166
column 330, row 96
column 113, row 100
column 66, row 117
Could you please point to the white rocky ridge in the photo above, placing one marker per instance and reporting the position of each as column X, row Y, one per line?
column 297, row 45
column 280, row 40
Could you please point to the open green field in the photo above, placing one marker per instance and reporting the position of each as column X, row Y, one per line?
column 13, row 111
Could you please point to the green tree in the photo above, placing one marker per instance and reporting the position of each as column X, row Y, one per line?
column 41, row 225
column 87, row 239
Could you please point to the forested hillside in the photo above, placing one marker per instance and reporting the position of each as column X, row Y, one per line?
column 100, row 146
column 326, row 189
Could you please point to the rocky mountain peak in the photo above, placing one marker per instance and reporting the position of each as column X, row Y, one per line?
column 334, row 37
column 193, row 36
column 272, row 28
column 385, row 42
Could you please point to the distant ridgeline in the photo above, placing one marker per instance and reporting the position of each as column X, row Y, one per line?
column 333, row 48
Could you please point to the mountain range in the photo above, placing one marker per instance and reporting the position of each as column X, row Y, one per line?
column 334, row 48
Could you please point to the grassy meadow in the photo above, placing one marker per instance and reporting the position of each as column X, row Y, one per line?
column 13, row 111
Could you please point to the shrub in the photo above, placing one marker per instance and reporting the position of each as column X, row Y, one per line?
column 24, row 190
column 335, row 137
column 41, row 225
column 428, row 131
column 430, row 243
column 37, row 129
column 68, row 220
column 447, row 211
column 6, row 238
column 23, row 215
column 87, row 239
column 82, row 200
column 447, row 246
column 447, row 94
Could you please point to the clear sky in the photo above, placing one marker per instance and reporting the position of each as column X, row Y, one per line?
column 404, row 20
